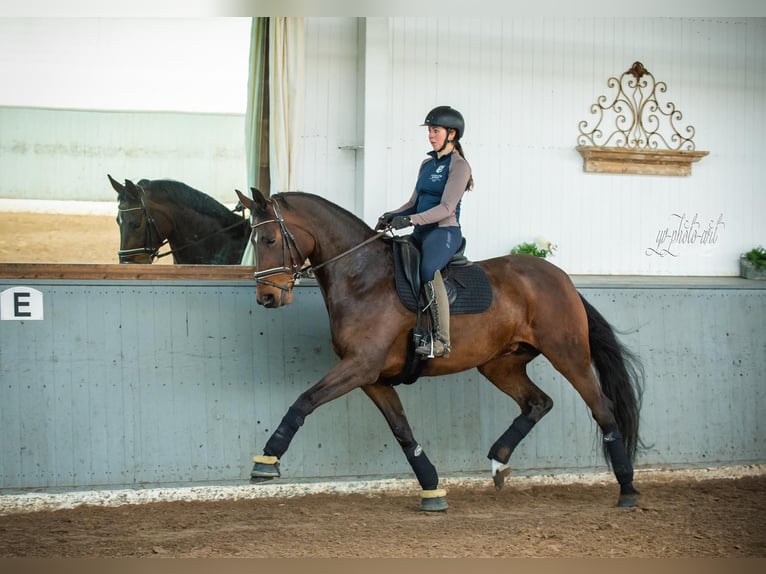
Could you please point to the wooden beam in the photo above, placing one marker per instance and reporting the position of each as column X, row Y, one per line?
column 126, row 271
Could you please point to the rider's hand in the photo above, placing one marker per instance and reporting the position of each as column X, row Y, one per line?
column 400, row 222
column 384, row 221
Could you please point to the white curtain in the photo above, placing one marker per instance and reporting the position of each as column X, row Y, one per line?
column 286, row 78
column 286, row 58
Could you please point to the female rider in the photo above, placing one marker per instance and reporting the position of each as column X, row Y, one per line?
column 434, row 210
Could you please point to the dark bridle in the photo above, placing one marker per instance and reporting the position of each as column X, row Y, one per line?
column 152, row 243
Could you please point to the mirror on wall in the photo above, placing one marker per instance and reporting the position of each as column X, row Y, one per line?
column 80, row 103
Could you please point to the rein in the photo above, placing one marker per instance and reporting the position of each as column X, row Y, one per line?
column 311, row 268
column 290, row 247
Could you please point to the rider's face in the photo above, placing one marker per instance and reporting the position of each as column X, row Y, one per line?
column 437, row 136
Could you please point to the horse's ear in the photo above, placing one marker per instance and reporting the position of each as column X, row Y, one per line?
column 118, row 187
column 244, row 200
column 131, row 189
column 259, row 199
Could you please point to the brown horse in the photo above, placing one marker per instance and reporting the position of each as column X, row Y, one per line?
column 535, row 310
column 159, row 212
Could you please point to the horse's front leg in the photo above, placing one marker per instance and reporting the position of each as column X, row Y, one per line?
column 387, row 400
column 344, row 377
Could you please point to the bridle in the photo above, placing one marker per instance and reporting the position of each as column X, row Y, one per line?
column 290, row 249
column 151, row 232
column 151, row 229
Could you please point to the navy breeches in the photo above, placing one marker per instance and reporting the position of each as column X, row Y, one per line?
column 437, row 247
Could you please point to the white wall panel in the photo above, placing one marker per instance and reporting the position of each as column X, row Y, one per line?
column 524, row 84
column 331, row 121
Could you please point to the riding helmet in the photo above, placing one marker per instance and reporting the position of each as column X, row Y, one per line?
column 446, row 117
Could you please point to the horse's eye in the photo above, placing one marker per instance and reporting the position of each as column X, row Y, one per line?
column 269, row 240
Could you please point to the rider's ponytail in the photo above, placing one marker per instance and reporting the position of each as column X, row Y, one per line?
column 459, row 148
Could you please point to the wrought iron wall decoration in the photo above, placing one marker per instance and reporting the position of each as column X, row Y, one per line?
column 645, row 137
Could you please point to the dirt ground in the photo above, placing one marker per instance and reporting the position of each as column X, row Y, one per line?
column 676, row 518
column 722, row 517
column 60, row 238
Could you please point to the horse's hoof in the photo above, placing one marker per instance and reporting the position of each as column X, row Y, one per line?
column 260, row 479
column 499, row 473
column 628, row 500
column 434, row 500
column 265, row 468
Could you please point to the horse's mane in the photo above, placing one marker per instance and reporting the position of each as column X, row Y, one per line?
column 181, row 194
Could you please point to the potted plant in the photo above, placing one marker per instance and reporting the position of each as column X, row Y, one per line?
column 540, row 248
column 752, row 265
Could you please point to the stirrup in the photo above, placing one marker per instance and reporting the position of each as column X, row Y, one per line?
column 432, row 348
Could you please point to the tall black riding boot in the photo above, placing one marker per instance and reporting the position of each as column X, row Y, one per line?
column 438, row 303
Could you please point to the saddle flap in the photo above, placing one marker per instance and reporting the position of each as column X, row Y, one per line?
column 407, row 259
column 468, row 288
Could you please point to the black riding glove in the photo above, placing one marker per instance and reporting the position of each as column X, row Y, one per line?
column 400, row 222
column 384, row 221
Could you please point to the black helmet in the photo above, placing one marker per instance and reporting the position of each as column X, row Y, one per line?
column 446, row 117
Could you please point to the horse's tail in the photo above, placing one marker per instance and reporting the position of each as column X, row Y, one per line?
column 621, row 375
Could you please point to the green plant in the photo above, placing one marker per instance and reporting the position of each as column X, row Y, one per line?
column 540, row 248
column 756, row 256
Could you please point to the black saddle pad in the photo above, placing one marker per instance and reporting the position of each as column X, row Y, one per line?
column 467, row 284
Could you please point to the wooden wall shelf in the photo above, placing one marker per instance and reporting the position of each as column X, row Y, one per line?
column 602, row 159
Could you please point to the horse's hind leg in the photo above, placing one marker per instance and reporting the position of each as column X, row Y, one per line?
column 604, row 411
column 387, row 400
column 509, row 374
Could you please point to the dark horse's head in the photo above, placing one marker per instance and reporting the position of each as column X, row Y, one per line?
column 141, row 233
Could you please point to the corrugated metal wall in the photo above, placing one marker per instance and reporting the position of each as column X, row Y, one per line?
column 159, row 382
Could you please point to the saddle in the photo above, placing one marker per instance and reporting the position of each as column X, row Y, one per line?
column 468, row 288
column 468, row 291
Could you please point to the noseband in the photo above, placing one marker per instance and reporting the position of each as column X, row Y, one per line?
column 151, row 228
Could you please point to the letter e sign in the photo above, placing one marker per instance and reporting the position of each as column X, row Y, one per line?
column 21, row 304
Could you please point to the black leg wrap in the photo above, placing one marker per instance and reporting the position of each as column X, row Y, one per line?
column 424, row 470
column 621, row 465
column 510, row 439
column 280, row 440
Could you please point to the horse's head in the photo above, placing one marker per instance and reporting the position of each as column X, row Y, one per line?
column 280, row 249
column 140, row 238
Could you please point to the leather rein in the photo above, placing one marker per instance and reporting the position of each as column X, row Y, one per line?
column 291, row 249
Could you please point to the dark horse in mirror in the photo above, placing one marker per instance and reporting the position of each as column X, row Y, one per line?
column 197, row 228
